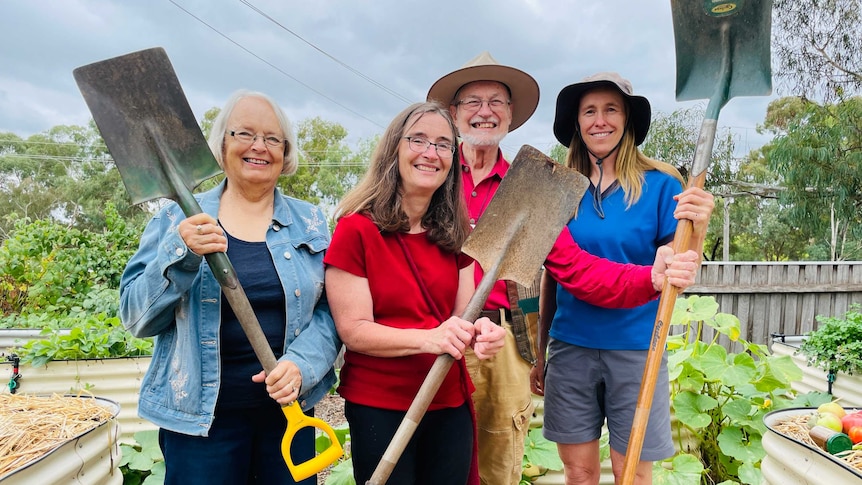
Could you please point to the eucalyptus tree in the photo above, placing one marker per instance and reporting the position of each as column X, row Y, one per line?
column 63, row 173
column 818, row 152
column 816, row 45
column 327, row 167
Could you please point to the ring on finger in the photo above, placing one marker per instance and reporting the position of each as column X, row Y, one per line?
column 199, row 228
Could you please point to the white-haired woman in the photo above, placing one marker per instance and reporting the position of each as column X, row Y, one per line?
column 219, row 416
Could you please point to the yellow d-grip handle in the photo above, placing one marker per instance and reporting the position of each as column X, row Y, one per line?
column 297, row 420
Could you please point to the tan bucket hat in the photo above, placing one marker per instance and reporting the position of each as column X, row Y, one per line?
column 569, row 100
column 524, row 89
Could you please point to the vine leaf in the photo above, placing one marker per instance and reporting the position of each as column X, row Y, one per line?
column 690, row 408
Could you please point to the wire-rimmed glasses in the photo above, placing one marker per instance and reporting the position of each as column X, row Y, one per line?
column 246, row 137
column 419, row 144
column 475, row 104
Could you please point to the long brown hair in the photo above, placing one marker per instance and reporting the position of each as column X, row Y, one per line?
column 379, row 193
column 630, row 165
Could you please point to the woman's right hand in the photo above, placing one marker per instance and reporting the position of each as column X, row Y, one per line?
column 450, row 337
column 202, row 234
column 537, row 380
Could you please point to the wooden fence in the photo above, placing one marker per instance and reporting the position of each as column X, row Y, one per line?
column 780, row 298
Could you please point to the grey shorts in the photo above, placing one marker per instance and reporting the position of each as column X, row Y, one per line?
column 583, row 387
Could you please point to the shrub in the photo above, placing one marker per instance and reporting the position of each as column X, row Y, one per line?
column 91, row 337
column 719, row 398
column 47, row 267
column 836, row 345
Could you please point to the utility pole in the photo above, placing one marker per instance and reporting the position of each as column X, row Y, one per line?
column 726, row 233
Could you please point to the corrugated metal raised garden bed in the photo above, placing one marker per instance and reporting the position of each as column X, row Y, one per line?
column 59, row 439
column 792, row 457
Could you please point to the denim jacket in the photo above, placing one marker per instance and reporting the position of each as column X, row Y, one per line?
column 169, row 292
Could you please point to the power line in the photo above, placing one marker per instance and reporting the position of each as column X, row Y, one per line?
column 102, row 145
column 274, row 66
column 61, row 158
column 346, row 66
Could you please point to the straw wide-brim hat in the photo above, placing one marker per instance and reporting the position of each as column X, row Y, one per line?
column 569, row 99
column 523, row 88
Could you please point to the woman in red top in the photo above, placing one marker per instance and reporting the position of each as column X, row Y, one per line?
column 394, row 279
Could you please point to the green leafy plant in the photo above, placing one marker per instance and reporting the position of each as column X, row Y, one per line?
column 541, row 455
column 65, row 282
column 719, row 398
column 341, row 472
column 90, row 337
column 47, row 267
column 836, row 345
column 142, row 462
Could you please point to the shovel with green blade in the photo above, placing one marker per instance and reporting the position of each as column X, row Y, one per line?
column 143, row 116
column 722, row 51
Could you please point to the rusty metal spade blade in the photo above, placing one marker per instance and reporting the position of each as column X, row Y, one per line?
column 143, row 115
column 535, row 200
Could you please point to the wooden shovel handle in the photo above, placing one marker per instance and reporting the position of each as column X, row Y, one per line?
column 681, row 241
column 429, row 387
column 411, row 420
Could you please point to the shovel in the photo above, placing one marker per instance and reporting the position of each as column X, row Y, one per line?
column 143, row 115
column 535, row 200
column 722, row 51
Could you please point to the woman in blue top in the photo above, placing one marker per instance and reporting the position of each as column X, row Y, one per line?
column 219, row 415
column 596, row 355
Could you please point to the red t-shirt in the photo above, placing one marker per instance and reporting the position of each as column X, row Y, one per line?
column 359, row 248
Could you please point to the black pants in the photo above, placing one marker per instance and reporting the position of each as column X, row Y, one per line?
column 243, row 447
column 440, row 451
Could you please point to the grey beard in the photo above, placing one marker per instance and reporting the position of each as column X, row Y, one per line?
column 483, row 141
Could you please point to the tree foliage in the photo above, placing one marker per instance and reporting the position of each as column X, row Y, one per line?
column 816, row 46
column 673, row 139
column 818, row 152
column 63, row 174
column 328, row 168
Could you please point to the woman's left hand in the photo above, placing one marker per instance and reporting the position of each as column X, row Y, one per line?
column 489, row 339
column 696, row 205
column 283, row 383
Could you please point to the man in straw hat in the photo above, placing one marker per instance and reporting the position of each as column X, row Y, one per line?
column 487, row 101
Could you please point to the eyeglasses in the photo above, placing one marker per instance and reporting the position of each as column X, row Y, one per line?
column 475, row 104
column 419, row 145
column 246, row 137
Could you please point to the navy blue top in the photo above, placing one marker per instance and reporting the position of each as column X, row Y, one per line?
column 257, row 275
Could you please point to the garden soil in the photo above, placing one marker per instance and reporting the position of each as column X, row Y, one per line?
column 331, row 410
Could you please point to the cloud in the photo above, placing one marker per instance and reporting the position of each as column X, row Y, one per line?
column 354, row 63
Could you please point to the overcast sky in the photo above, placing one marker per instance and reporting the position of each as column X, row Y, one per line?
column 297, row 51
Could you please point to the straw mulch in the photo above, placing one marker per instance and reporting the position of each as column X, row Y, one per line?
column 796, row 427
column 32, row 426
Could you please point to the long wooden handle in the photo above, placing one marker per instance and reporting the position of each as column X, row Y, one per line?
column 429, row 387
column 681, row 242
